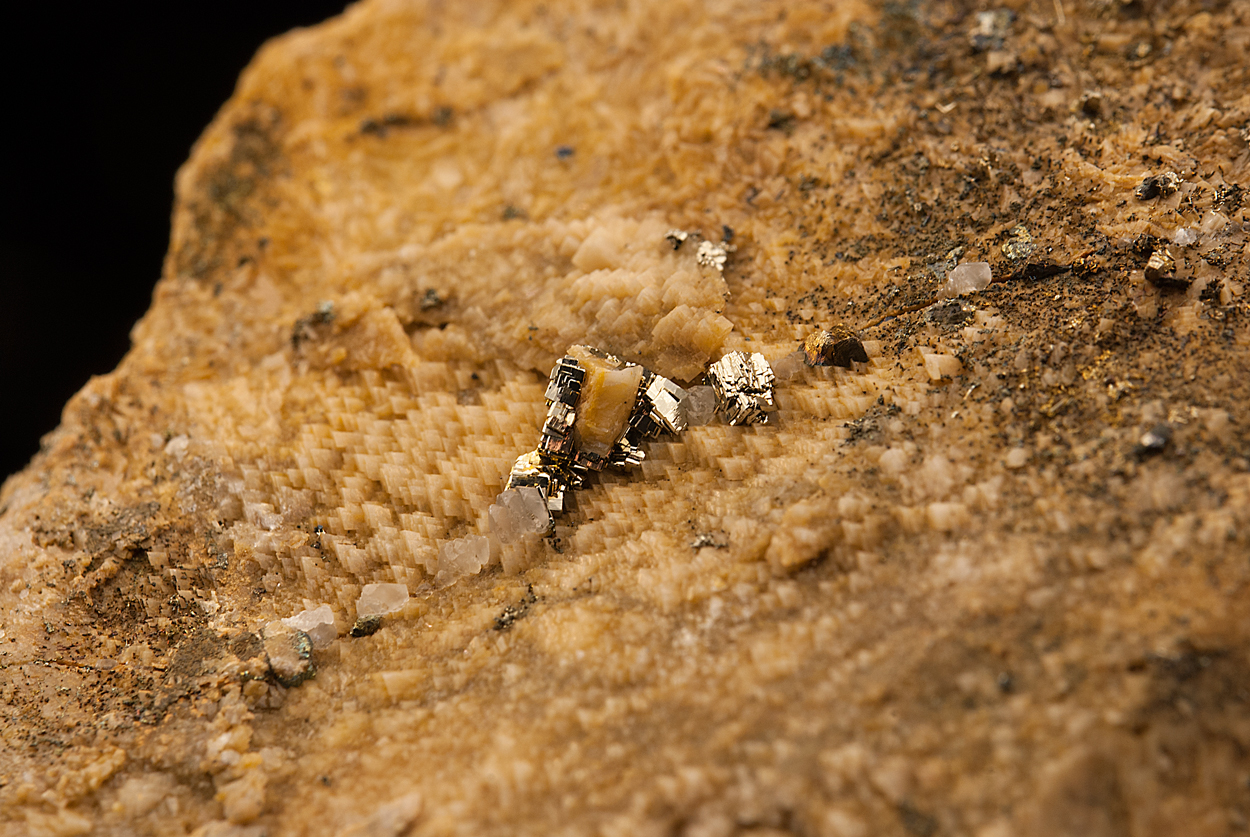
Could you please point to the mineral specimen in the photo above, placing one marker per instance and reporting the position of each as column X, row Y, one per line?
column 1020, row 245
column 1161, row 270
column 608, row 396
column 712, row 255
column 365, row 626
column 839, row 346
column 744, row 387
column 973, row 611
column 600, row 410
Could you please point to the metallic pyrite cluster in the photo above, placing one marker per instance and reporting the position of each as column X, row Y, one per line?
column 743, row 387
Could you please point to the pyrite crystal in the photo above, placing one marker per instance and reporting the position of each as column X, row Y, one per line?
column 839, row 346
column 744, row 387
column 600, row 410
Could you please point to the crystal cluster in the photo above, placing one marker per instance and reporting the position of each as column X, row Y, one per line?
column 744, row 387
column 600, row 410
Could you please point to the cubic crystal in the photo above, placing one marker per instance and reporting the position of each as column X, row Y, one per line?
column 744, row 387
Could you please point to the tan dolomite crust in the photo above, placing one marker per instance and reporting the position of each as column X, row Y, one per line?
column 991, row 581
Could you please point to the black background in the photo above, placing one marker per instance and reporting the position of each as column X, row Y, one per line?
column 101, row 103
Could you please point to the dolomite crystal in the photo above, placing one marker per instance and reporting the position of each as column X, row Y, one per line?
column 607, row 399
column 952, row 593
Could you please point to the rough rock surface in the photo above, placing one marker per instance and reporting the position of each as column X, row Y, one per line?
column 992, row 582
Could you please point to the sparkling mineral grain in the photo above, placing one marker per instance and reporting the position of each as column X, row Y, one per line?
column 1158, row 186
column 667, row 404
column 712, row 255
column 1161, row 270
column 1019, row 246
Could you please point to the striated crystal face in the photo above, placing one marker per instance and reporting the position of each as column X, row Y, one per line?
column 744, row 387
column 600, row 411
column 839, row 346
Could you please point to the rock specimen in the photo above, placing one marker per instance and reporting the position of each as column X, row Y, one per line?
column 990, row 582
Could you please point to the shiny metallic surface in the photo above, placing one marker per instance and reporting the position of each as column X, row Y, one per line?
column 744, row 387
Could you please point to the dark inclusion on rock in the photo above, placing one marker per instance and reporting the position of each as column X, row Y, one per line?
column 366, row 626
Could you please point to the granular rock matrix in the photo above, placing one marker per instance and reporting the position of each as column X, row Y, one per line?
column 991, row 582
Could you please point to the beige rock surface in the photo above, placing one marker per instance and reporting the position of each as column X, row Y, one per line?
column 960, row 589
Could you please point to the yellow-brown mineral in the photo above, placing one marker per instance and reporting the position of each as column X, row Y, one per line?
column 992, row 582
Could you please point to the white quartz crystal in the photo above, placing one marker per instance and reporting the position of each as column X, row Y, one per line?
column 379, row 599
column 700, row 405
column 789, row 367
column 517, row 512
column 1185, row 237
column 460, row 557
column 318, row 623
column 967, row 278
